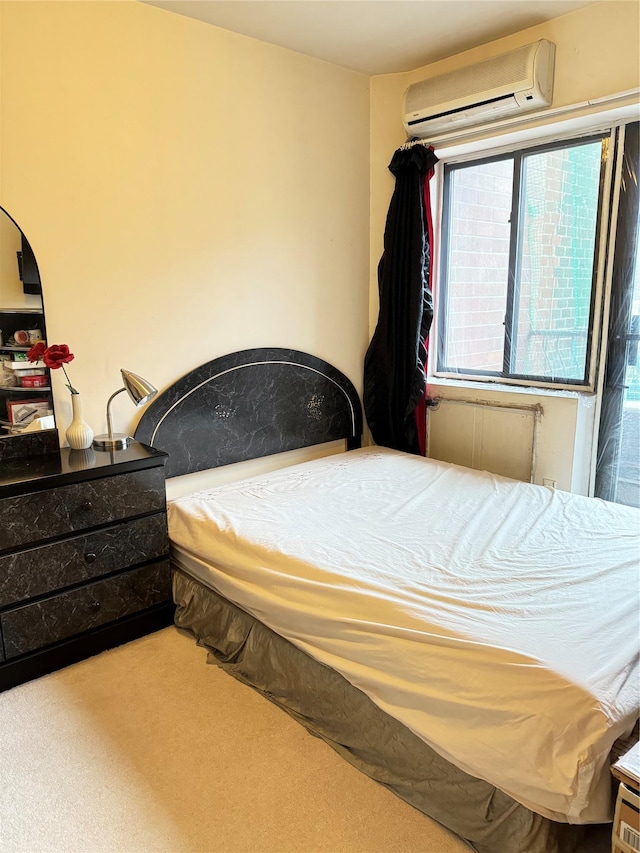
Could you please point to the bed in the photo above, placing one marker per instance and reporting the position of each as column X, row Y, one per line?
column 469, row 641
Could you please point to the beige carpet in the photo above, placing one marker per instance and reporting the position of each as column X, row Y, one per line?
column 146, row 748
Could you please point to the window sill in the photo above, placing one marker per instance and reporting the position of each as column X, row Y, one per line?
column 584, row 395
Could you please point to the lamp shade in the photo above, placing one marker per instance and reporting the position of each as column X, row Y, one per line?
column 138, row 388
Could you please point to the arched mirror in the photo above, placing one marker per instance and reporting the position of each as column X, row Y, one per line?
column 26, row 400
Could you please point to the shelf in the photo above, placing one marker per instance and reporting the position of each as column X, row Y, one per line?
column 17, row 388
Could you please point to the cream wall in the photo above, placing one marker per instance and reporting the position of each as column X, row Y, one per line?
column 596, row 55
column 187, row 192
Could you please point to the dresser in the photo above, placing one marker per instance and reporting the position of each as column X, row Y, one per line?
column 84, row 556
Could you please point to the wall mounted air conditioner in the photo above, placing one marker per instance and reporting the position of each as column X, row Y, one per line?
column 503, row 86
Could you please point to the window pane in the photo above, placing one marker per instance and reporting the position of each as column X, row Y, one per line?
column 478, row 265
column 557, row 241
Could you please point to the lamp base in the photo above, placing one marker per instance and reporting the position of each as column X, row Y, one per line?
column 117, row 441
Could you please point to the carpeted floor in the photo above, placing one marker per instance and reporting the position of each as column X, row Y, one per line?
column 146, row 749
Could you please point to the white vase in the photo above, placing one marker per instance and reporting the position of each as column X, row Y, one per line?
column 79, row 433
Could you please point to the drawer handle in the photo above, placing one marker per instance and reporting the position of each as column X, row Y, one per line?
column 85, row 507
column 95, row 605
column 90, row 557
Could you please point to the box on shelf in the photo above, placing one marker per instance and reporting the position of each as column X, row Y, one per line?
column 34, row 381
column 26, row 365
column 32, row 371
column 626, row 820
column 24, row 411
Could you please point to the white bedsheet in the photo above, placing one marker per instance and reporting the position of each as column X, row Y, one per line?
column 497, row 620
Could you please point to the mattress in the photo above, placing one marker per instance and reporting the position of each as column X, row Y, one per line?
column 497, row 620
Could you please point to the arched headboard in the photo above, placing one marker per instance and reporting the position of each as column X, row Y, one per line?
column 250, row 404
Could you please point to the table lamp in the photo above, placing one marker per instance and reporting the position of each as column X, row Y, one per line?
column 140, row 392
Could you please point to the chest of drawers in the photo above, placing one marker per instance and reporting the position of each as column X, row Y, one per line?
column 84, row 556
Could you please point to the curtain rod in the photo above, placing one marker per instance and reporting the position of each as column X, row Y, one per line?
column 629, row 98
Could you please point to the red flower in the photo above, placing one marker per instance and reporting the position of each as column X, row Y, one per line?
column 37, row 351
column 56, row 355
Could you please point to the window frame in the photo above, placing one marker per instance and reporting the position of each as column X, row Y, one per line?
column 443, row 189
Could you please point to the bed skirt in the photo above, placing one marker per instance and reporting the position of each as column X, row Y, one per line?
column 330, row 708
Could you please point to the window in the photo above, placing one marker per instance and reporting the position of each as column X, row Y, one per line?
column 518, row 263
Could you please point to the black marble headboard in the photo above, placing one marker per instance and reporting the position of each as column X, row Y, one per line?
column 250, row 404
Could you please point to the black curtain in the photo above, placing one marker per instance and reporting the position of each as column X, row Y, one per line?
column 394, row 367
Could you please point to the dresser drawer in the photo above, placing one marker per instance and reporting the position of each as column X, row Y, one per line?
column 32, row 518
column 52, row 619
column 38, row 571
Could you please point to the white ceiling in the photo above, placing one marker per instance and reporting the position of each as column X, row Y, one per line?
column 374, row 36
